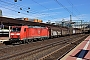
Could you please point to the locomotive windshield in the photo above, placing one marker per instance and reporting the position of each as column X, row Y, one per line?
column 16, row 29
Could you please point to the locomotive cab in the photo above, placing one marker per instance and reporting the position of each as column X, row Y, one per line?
column 15, row 33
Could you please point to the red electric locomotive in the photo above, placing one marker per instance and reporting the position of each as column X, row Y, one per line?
column 25, row 34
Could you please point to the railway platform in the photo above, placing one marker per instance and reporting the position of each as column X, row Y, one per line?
column 81, row 52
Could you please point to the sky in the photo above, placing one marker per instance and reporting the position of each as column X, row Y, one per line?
column 47, row 10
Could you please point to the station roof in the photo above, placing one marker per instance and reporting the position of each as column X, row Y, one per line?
column 11, row 21
column 15, row 22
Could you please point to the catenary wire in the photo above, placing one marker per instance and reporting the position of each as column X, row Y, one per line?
column 65, row 8
column 18, row 6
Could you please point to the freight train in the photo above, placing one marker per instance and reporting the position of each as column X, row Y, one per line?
column 25, row 34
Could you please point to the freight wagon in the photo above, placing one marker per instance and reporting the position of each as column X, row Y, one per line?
column 65, row 31
column 77, row 31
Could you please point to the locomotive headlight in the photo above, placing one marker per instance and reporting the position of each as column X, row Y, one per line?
column 12, row 34
column 18, row 34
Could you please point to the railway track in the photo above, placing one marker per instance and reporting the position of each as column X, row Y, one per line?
column 58, row 54
column 38, row 50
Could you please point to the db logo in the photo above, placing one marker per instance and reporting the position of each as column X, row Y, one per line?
column 38, row 31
